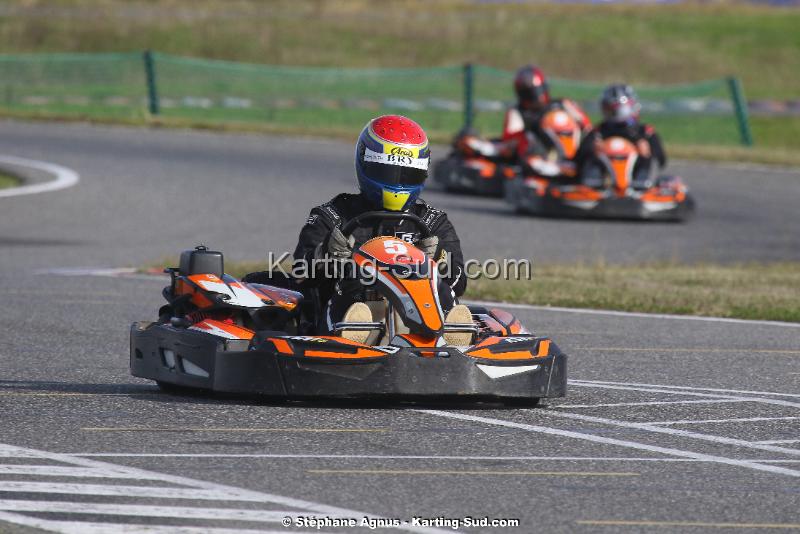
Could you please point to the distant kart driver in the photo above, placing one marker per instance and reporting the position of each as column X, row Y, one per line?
column 386, row 183
column 621, row 108
column 524, row 139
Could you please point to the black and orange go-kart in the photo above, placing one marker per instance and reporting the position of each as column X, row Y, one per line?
column 220, row 334
column 483, row 166
column 665, row 198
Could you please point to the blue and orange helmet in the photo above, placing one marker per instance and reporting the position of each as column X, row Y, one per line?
column 392, row 157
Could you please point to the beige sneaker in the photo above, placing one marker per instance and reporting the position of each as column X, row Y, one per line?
column 460, row 314
column 358, row 312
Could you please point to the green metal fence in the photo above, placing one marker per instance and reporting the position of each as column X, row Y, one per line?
column 136, row 85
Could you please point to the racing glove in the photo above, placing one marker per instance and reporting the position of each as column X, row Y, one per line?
column 336, row 246
column 429, row 245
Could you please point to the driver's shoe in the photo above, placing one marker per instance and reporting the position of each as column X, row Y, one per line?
column 459, row 315
column 358, row 312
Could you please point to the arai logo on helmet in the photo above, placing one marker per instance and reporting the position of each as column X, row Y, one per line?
column 400, row 151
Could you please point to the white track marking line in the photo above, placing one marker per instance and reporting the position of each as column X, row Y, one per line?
column 734, row 420
column 437, row 458
column 67, row 527
column 777, row 402
column 61, row 471
column 160, row 492
column 195, row 487
column 689, row 388
column 396, row 457
column 64, row 177
column 532, row 307
column 674, row 432
column 613, row 441
column 777, row 441
column 187, row 512
column 650, row 403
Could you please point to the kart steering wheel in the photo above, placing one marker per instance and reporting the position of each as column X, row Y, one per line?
column 387, row 216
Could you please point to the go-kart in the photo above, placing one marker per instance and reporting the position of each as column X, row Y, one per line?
column 485, row 166
column 220, row 334
column 619, row 196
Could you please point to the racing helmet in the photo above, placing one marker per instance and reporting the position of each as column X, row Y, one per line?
column 392, row 157
column 620, row 103
column 531, row 87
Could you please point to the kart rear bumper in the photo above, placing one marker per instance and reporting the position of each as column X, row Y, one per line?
column 216, row 365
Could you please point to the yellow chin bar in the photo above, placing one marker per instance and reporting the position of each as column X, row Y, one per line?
column 394, row 201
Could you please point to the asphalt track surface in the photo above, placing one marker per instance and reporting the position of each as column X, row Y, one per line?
column 670, row 425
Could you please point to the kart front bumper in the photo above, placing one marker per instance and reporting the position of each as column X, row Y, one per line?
column 527, row 200
column 161, row 352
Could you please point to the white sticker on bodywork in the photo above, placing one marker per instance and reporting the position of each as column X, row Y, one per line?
column 495, row 371
column 238, row 296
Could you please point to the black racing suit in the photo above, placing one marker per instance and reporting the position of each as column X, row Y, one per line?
column 591, row 171
column 346, row 206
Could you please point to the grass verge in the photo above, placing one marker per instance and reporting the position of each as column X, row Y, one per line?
column 743, row 291
column 653, row 44
column 8, row 180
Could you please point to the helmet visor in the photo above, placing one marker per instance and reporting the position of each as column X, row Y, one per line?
column 394, row 174
column 391, row 169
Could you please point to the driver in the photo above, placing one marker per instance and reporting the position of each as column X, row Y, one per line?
column 523, row 138
column 391, row 163
column 621, row 109
column 522, row 124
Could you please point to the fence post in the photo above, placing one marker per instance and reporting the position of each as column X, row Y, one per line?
column 152, row 90
column 740, row 105
column 468, row 87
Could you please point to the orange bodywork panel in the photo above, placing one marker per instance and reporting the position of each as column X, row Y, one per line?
column 198, row 299
column 282, row 345
column 482, row 350
column 387, row 249
column 564, row 129
column 421, row 292
column 654, row 195
column 362, row 351
column 284, row 298
column 419, row 341
column 579, row 193
column 623, row 155
column 544, row 348
column 511, row 355
column 486, row 169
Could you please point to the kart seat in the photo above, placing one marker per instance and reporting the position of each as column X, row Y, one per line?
column 201, row 261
